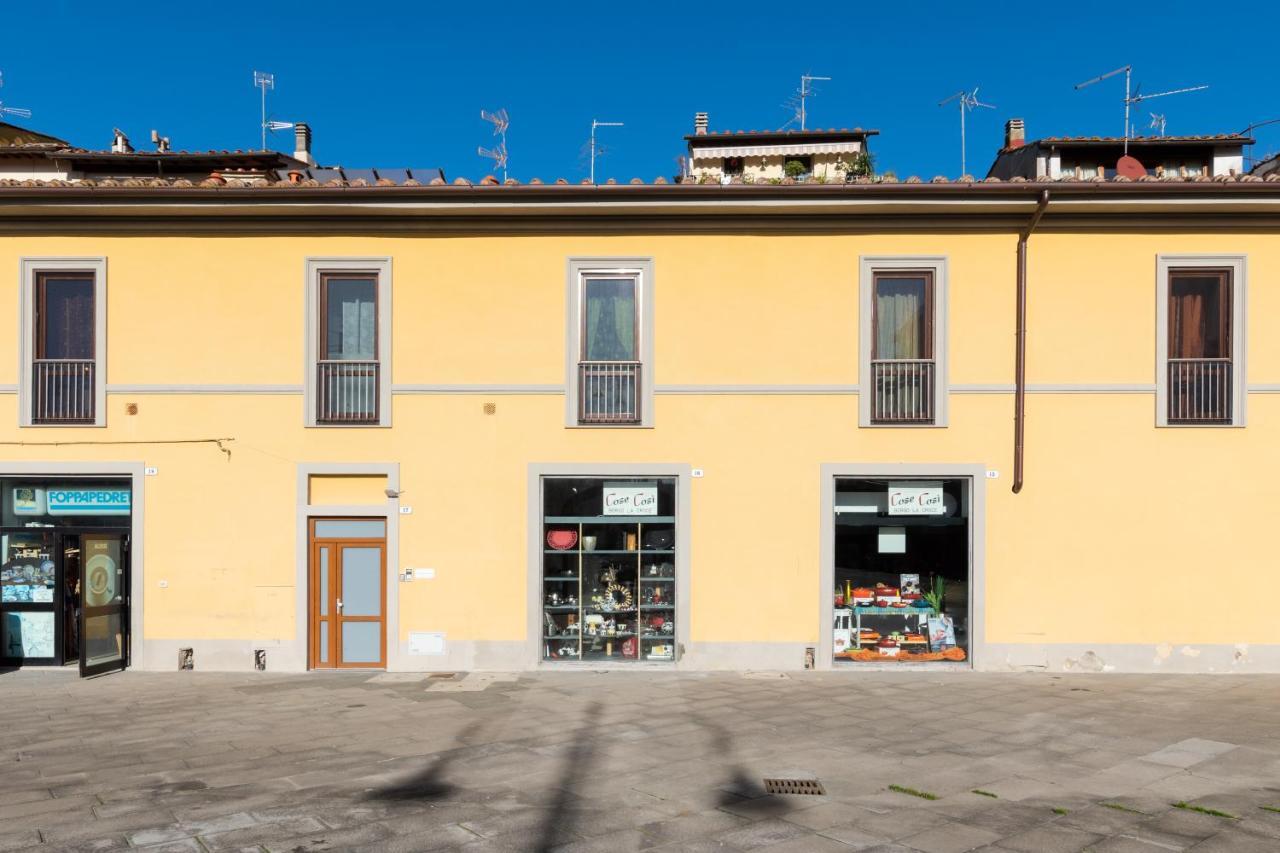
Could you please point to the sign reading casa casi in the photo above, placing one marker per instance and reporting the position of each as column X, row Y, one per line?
column 630, row 498
column 916, row 498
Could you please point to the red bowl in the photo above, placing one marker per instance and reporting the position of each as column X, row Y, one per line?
column 562, row 540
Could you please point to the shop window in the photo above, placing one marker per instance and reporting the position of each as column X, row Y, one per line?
column 902, row 364
column 610, row 339
column 348, row 382
column 1200, row 380
column 609, row 569
column 63, row 346
column 901, row 571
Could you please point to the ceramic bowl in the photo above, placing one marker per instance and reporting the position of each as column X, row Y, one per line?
column 562, row 540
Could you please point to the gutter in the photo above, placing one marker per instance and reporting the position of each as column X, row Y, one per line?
column 1020, row 358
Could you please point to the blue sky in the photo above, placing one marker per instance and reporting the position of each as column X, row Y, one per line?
column 402, row 84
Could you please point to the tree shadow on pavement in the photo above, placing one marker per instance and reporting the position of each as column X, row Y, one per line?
column 558, row 823
column 430, row 784
column 740, row 787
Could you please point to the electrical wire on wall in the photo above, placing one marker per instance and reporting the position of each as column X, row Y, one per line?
column 220, row 442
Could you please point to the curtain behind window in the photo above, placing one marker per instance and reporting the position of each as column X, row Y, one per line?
column 610, row 333
column 1197, row 317
column 351, row 321
column 900, row 320
column 67, row 323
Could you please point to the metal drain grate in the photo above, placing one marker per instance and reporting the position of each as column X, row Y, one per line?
column 811, row 787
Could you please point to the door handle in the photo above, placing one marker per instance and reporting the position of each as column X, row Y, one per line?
column 339, row 605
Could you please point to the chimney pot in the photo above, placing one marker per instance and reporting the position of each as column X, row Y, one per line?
column 700, row 124
column 302, row 143
column 1015, row 133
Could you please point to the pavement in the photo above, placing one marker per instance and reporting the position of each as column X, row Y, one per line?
column 645, row 760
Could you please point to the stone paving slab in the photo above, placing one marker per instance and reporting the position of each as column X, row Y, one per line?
column 639, row 761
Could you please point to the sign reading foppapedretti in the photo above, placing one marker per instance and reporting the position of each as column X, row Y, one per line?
column 88, row 501
column 916, row 498
column 630, row 498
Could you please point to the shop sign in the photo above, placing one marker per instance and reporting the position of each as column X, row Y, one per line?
column 630, row 498
column 916, row 498
column 88, row 501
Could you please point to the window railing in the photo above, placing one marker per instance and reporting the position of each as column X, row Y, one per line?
column 62, row 391
column 902, row 391
column 1200, row 391
column 347, row 392
column 609, row 392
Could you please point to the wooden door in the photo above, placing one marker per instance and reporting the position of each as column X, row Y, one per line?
column 348, row 594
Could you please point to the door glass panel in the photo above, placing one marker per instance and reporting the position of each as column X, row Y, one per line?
column 351, row 528
column 66, row 325
column 361, row 642
column 324, row 642
column 102, row 639
column 324, row 581
column 351, row 320
column 361, row 590
column 103, row 571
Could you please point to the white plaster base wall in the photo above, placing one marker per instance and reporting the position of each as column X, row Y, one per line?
column 745, row 656
column 466, row 656
column 1134, row 657
column 218, row 655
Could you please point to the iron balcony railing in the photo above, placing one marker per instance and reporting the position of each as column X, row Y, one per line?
column 609, row 392
column 63, row 391
column 347, row 392
column 1200, row 391
column 902, row 391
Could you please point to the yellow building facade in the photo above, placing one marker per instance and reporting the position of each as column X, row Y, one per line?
column 757, row 402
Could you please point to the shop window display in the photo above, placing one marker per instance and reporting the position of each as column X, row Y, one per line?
column 608, row 569
column 901, row 570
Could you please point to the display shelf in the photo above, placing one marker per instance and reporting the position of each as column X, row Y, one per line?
column 892, row 611
column 584, row 570
column 599, row 519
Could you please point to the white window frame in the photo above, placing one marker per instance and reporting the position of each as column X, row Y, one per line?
column 29, row 267
column 381, row 267
column 868, row 266
column 1239, row 267
column 579, row 270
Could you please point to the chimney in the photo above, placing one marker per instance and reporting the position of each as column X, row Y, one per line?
column 120, row 142
column 302, row 143
column 1015, row 133
column 700, row 124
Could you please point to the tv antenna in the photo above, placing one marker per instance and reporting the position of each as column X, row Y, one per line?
column 968, row 101
column 1135, row 97
column 264, row 80
column 797, row 102
column 1157, row 122
column 594, row 149
column 12, row 111
column 500, row 121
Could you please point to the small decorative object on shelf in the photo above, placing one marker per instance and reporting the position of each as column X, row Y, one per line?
column 562, row 540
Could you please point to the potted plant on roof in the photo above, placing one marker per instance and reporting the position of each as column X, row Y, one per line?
column 859, row 165
column 795, row 170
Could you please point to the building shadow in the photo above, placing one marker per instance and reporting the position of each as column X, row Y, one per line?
column 430, row 784
column 558, row 823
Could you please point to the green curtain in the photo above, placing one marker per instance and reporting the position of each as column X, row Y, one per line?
column 610, row 320
column 900, row 307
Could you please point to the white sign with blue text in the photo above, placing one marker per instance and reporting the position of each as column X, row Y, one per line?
column 630, row 498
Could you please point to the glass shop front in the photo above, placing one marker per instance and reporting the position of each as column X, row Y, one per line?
column 64, row 576
column 902, row 554
column 609, row 569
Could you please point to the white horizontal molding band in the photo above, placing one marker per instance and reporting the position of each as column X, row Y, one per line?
column 755, row 389
column 698, row 389
column 203, row 389
column 1058, row 388
column 478, row 389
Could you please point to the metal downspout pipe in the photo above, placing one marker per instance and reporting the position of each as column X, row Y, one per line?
column 1020, row 358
